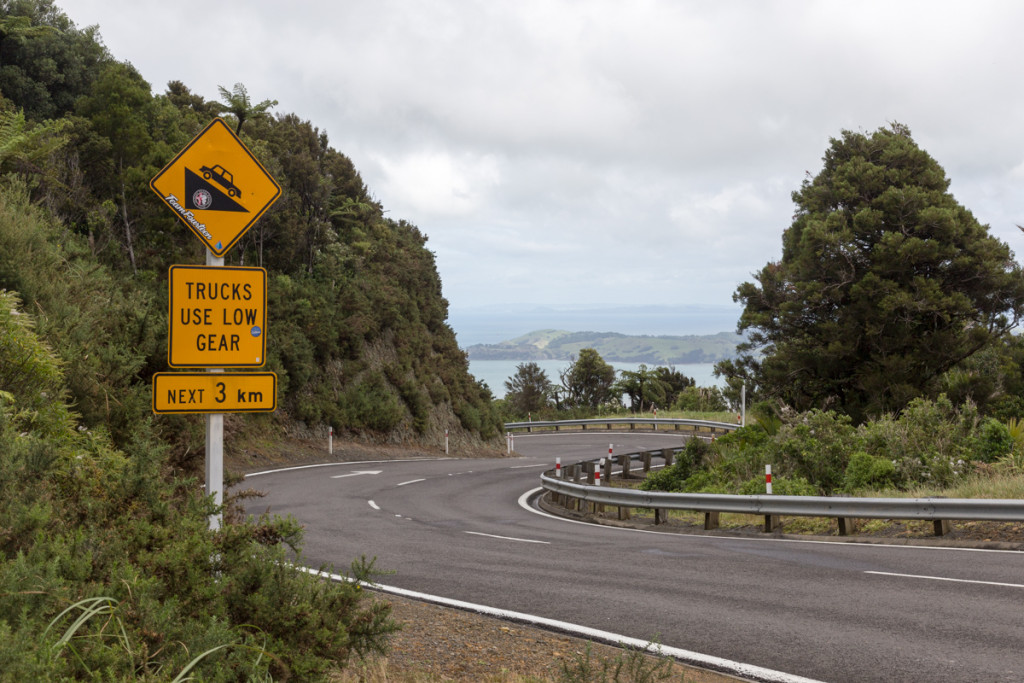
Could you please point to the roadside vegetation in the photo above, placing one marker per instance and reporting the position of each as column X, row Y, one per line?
column 931, row 446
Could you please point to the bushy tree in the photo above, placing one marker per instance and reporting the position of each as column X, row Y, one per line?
column 673, row 381
column 528, row 390
column 588, row 381
column 701, row 399
column 644, row 387
column 46, row 63
column 885, row 283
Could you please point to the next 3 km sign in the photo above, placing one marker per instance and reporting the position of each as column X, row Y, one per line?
column 214, row 392
column 218, row 317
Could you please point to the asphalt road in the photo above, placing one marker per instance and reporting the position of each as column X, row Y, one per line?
column 827, row 611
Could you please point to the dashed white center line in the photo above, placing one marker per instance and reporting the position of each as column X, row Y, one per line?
column 509, row 538
column 943, row 578
column 410, row 482
column 374, row 505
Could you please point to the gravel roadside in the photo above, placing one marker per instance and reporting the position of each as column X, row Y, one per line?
column 446, row 644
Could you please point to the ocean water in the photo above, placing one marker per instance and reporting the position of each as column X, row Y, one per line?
column 495, row 372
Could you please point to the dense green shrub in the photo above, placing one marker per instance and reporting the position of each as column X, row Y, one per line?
column 993, row 440
column 108, row 570
column 686, row 463
column 371, row 404
column 817, row 447
column 869, row 472
column 930, row 441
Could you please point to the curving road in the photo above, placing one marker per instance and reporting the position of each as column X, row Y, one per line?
column 826, row 611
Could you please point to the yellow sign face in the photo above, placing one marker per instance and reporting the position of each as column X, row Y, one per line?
column 214, row 392
column 218, row 317
column 216, row 187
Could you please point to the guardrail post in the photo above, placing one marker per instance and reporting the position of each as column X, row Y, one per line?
column 942, row 527
column 646, row 458
column 710, row 521
column 659, row 516
column 575, row 503
column 771, row 523
column 624, row 462
column 590, row 468
column 607, row 471
column 668, row 454
column 847, row 526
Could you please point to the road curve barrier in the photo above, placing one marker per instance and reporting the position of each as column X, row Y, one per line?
column 702, row 427
column 573, row 488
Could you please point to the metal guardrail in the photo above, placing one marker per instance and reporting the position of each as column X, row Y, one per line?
column 846, row 509
column 802, row 506
column 633, row 422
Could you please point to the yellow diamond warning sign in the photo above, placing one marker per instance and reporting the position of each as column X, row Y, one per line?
column 218, row 317
column 216, row 187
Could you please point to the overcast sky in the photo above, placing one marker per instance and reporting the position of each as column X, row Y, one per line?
column 605, row 152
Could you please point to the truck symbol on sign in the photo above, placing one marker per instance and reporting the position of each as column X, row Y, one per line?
column 221, row 176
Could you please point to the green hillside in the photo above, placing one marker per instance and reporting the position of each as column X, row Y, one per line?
column 655, row 350
column 357, row 328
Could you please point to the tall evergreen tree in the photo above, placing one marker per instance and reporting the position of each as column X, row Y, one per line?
column 529, row 389
column 885, row 283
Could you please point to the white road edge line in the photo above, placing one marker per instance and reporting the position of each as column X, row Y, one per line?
column 508, row 538
column 525, row 467
column 748, row 671
column 411, row 481
column 943, row 578
column 373, row 505
column 529, row 494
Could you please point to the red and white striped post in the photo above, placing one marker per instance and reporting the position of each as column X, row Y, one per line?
column 558, row 468
column 771, row 522
column 597, row 473
column 330, row 441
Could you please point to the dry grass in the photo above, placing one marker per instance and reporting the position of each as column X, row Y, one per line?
column 380, row 671
column 988, row 483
